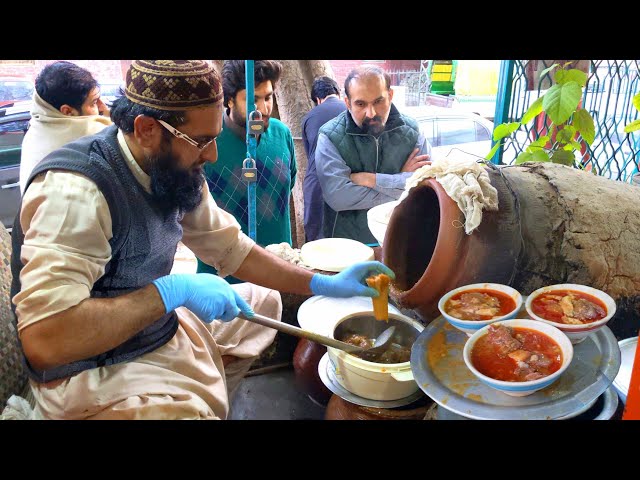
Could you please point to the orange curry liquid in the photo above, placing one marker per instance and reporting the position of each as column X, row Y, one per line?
column 486, row 358
column 507, row 304
column 547, row 311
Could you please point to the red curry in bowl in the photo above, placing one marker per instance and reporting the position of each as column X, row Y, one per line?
column 570, row 307
column 516, row 354
column 479, row 304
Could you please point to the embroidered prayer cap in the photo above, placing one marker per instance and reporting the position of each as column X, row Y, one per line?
column 173, row 84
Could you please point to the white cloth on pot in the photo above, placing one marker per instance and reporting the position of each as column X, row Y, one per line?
column 465, row 181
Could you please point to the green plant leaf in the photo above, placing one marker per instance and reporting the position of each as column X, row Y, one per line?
column 561, row 101
column 573, row 75
column 547, row 70
column 492, row 152
column 583, row 121
column 538, row 144
column 575, row 145
column 504, row 130
column 636, row 101
column 632, row 127
column 523, row 157
column 539, row 156
column 563, row 157
column 566, row 134
column 533, row 111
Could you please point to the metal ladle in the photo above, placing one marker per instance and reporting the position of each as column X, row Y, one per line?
column 379, row 346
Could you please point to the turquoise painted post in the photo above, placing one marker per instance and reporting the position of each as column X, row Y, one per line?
column 252, row 145
column 503, row 100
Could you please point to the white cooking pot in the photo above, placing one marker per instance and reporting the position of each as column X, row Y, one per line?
column 375, row 381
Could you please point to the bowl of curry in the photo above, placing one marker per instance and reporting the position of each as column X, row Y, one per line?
column 472, row 307
column 518, row 357
column 577, row 310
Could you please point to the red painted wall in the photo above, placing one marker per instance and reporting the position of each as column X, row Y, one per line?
column 113, row 71
column 107, row 71
column 341, row 68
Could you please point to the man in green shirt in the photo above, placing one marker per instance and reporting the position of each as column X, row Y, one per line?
column 275, row 157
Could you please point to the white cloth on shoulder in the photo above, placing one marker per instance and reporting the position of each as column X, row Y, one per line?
column 17, row 408
column 50, row 129
column 465, row 181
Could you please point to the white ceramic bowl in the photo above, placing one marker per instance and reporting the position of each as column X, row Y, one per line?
column 521, row 389
column 472, row 326
column 376, row 381
column 576, row 333
column 378, row 219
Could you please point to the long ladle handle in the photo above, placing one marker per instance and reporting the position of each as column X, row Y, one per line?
column 299, row 332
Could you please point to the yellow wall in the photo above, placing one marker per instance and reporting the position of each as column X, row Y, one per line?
column 477, row 77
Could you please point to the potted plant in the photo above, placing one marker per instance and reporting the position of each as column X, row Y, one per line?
column 568, row 121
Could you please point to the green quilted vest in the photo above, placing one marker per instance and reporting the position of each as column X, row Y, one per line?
column 366, row 153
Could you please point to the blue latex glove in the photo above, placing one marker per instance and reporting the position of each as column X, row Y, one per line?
column 208, row 296
column 349, row 282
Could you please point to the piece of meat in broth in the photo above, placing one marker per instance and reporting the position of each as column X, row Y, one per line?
column 567, row 305
column 586, row 310
column 539, row 361
column 502, row 338
column 520, row 355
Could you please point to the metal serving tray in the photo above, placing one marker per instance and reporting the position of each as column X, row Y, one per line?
column 440, row 371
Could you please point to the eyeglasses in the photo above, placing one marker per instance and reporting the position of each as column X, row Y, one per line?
column 177, row 133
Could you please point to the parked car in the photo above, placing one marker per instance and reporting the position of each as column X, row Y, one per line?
column 15, row 88
column 456, row 131
column 449, row 128
column 14, row 123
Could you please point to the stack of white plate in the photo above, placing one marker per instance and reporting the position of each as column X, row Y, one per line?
column 627, row 354
column 334, row 254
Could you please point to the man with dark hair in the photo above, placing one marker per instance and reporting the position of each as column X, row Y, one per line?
column 325, row 93
column 275, row 157
column 366, row 154
column 105, row 329
column 66, row 106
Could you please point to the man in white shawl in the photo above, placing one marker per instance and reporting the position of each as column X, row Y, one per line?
column 66, row 106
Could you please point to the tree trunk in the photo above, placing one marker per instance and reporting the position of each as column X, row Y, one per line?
column 293, row 94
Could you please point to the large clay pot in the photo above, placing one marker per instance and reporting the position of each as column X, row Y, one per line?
column 555, row 224
column 340, row 409
column 305, row 365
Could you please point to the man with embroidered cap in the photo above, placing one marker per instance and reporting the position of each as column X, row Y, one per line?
column 106, row 331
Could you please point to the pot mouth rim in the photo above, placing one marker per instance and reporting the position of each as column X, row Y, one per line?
column 449, row 244
column 373, row 366
column 369, row 313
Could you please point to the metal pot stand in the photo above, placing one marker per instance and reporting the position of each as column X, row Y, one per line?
column 328, row 375
column 451, row 385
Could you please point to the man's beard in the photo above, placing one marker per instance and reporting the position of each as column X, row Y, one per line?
column 374, row 129
column 174, row 187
